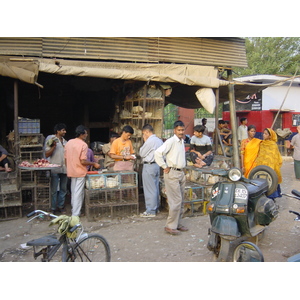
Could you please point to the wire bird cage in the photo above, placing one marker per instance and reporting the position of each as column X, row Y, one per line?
column 111, row 180
column 115, row 196
column 28, row 178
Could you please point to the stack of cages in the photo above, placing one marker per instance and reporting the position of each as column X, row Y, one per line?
column 26, row 125
column 35, row 184
column 36, row 190
column 31, row 140
column 142, row 105
column 10, row 196
column 193, row 197
column 205, row 177
column 111, row 195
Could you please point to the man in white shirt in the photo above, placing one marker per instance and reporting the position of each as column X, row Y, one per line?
column 242, row 132
column 171, row 157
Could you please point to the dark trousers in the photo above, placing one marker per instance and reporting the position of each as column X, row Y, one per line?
column 4, row 161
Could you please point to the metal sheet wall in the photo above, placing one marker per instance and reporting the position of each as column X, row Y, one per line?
column 203, row 51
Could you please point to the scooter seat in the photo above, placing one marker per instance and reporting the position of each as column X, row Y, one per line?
column 259, row 186
column 49, row 240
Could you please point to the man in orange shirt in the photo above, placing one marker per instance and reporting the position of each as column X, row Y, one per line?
column 121, row 148
column 76, row 162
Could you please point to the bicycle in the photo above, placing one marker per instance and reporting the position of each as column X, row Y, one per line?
column 86, row 247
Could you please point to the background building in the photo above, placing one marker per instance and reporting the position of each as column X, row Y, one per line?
column 261, row 108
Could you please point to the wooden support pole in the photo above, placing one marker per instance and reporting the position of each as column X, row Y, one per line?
column 216, row 139
column 86, row 122
column 235, row 146
column 16, row 125
column 279, row 110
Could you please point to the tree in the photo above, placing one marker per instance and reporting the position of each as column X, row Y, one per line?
column 271, row 55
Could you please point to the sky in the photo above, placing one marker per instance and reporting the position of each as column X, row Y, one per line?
column 148, row 18
column 142, row 18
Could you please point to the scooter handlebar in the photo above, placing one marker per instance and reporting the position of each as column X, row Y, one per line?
column 296, row 193
column 294, row 212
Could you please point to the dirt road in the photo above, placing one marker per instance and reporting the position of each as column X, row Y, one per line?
column 138, row 239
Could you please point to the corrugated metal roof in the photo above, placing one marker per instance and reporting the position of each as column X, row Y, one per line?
column 190, row 50
column 201, row 49
column 21, row 46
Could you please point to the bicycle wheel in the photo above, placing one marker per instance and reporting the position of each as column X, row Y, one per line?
column 93, row 248
column 247, row 252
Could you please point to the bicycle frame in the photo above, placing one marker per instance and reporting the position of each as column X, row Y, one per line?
column 50, row 250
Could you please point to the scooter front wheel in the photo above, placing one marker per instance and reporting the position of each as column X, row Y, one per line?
column 247, row 252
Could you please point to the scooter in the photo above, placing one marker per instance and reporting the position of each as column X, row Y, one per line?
column 239, row 209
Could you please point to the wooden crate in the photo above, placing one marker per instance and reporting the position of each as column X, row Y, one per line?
column 10, row 213
column 94, row 213
column 11, row 199
column 31, row 140
column 31, row 156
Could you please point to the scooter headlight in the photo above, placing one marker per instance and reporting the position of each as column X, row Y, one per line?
column 234, row 174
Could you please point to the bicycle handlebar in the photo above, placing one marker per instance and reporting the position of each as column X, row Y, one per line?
column 51, row 215
column 39, row 212
column 31, row 214
column 75, row 227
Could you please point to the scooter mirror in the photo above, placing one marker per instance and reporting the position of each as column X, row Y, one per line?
column 247, row 252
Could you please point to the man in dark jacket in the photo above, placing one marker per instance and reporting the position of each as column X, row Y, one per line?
column 4, row 162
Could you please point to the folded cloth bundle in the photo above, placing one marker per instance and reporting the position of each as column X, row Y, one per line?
column 65, row 224
column 51, row 141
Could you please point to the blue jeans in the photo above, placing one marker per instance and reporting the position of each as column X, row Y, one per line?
column 58, row 197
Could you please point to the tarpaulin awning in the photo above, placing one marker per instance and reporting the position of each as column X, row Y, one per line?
column 185, row 75
column 19, row 68
column 192, row 75
column 186, row 79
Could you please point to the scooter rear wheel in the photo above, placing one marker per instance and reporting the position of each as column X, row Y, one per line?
column 269, row 174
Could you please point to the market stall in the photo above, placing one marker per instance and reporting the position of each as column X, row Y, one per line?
column 105, row 83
